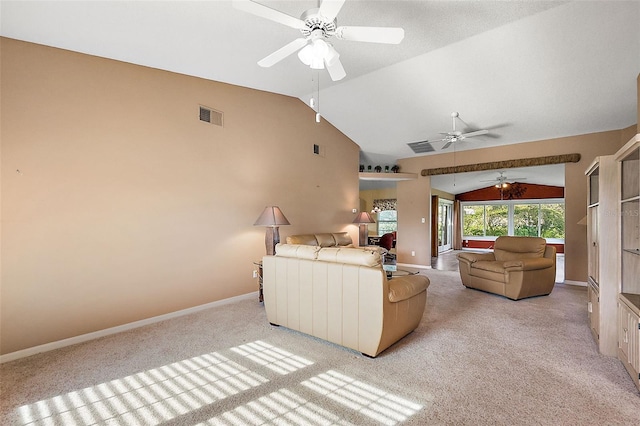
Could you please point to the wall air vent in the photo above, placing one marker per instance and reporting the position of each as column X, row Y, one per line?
column 210, row 115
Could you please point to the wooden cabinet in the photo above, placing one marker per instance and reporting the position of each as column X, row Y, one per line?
column 629, row 335
column 603, row 242
column 629, row 258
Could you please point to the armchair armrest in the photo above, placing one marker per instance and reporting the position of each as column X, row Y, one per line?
column 528, row 264
column 402, row 288
column 471, row 257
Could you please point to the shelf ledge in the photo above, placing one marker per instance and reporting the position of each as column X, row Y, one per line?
column 387, row 176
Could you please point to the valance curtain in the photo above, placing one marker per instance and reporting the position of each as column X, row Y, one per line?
column 386, row 204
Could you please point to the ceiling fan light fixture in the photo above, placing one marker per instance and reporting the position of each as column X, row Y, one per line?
column 314, row 54
column 317, row 64
column 306, row 54
column 331, row 56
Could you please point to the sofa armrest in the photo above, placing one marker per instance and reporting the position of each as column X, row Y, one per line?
column 529, row 264
column 471, row 257
column 403, row 288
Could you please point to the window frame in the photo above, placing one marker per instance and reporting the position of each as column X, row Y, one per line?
column 511, row 207
column 378, row 222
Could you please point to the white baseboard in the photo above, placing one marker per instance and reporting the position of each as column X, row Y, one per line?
column 23, row 353
column 578, row 283
column 411, row 265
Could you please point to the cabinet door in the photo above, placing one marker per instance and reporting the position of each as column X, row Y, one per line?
column 592, row 237
column 594, row 311
column 623, row 329
column 634, row 341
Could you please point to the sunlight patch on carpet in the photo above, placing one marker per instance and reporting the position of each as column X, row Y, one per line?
column 166, row 393
column 272, row 357
column 373, row 402
column 281, row 407
column 149, row 397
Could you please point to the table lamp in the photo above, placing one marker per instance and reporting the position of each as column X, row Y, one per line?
column 363, row 219
column 271, row 217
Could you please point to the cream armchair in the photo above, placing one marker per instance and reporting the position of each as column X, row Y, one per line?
column 519, row 267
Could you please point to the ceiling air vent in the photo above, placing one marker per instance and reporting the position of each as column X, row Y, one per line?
column 420, row 147
column 210, row 115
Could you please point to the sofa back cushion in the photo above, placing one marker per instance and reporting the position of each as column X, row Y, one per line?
column 325, row 240
column 306, row 239
column 514, row 248
column 299, row 251
column 350, row 256
column 345, row 255
column 342, row 239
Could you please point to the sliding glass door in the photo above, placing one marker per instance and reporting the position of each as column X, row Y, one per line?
column 445, row 225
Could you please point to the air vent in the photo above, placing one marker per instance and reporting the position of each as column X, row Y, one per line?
column 210, row 115
column 421, row 147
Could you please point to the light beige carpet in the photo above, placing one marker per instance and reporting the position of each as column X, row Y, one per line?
column 475, row 359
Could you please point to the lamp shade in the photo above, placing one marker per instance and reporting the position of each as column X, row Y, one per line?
column 271, row 216
column 363, row 217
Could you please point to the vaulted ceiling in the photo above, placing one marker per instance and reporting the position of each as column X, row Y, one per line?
column 524, row 70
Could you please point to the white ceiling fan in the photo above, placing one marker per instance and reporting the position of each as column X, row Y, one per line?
column 449, row 137
column 501, row 181
column 318, row 25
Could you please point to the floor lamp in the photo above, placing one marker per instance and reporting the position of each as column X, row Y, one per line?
column 272, row 218
column 363, row 219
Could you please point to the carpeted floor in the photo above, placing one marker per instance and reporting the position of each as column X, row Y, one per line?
column 475, row 359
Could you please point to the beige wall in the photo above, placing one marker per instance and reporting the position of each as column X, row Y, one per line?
column 589, row 146
column 126, row 206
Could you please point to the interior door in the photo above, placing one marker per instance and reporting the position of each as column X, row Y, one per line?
column 445, row 225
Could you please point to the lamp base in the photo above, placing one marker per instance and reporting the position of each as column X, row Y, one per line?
column 364, row 233
column 271, row 238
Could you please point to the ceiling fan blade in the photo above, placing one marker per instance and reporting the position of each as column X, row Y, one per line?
column 335, row 68
column 387, row 35
column 446, row 145
column 268, row 13
column 476, row 133
column 330, row 9
column 282, row 53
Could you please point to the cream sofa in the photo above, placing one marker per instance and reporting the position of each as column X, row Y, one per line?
column 519, row 267
column 341, row 295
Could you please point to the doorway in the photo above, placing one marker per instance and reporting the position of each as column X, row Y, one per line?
column 445, row 225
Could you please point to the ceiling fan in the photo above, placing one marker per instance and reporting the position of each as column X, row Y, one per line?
column 318, row 25
column 501, row 181
column 449, row 137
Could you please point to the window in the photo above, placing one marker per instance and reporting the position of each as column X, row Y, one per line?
column 552, row 220
column 520, row 218
column 481, row 220
column 387, row 221
column 525, row 220
column 473, row 222
column 497, row 220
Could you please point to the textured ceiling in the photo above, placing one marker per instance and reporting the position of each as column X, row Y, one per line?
column 524, row 70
